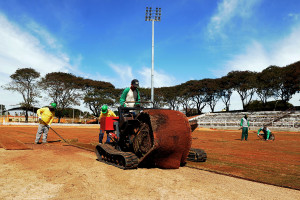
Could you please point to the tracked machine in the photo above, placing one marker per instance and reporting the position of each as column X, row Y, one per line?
column 152, row 138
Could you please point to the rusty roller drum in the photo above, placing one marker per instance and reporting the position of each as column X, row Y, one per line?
column 163, row 140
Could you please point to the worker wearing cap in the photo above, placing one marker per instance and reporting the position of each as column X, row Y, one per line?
column 131, row 94
column 245, row 127
column 105, row 112
column 46, row 116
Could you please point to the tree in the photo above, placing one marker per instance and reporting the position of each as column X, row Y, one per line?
column 170, row 96
column 198, row 93
column 63, row 89
column 289, row 81
column 145, row 94
column 185, row 98
column 226, row 89
column 244, row 83
column 2, row 109
column 24, row 81
column 268, row 106
column 158, row 98
column 97, row 93
column 213, row 92
column 116, row 95
column 267, row 82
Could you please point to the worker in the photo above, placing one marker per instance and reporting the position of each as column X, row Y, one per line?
column 131, row 94
column 105, row 112
column 245, row 127
column 46, row 116
column 266, row 131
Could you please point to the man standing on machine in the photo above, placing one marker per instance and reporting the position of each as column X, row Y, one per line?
column 131, row 94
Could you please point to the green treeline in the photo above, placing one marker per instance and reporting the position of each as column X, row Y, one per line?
column 67, row 90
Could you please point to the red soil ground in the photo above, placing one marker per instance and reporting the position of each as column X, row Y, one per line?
column 275, row 162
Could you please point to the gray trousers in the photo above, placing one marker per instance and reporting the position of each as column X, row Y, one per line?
column 43, row 129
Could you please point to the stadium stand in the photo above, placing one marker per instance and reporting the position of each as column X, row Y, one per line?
column 231, row 120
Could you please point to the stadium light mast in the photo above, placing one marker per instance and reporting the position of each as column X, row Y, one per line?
column 152, row 15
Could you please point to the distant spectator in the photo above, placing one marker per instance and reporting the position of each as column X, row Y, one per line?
column 244, row 127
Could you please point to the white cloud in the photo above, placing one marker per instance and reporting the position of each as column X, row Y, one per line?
column 257, row 57
column 43, row 34
column 161, row 79
column 287, row 50
column 21, row 48
column 124, row 73
column 226, row 12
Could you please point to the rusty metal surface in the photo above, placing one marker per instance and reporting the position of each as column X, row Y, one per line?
column 172, row 138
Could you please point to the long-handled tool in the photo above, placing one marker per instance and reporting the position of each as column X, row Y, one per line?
column 69, row 143
column 59, row 135
column 54, row 131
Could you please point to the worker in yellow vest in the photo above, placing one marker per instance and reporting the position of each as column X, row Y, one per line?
column 105, row 112
column 46, row 116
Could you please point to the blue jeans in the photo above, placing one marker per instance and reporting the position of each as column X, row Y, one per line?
column 101, row 134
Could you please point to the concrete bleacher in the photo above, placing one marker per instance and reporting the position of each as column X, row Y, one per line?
column 279, row 120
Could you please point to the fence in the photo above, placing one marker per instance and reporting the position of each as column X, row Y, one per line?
column 274, row 119
column 230, row 124
column 5, row 120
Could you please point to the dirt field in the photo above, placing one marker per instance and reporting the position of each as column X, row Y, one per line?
column 58, row 171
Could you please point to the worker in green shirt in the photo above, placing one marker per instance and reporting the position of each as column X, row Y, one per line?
column 131, row 94
column 245, row 127
column 266, row 131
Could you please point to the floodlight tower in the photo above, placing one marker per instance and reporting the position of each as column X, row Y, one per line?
column 152, row 15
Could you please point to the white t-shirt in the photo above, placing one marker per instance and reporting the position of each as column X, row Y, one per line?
column 131, row 96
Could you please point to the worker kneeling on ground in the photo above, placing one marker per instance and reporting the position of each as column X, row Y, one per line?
column 266, row 131
column 105, row 112
column 46, row 116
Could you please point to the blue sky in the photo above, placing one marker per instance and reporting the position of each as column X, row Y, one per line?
column 110, row 40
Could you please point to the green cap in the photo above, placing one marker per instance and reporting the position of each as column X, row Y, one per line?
column 104, row 109
column 53, row 105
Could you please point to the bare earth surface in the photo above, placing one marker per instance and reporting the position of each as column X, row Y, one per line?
column 58, row 171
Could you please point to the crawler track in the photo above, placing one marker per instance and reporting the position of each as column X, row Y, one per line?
column 123, row 160
column 197, row 155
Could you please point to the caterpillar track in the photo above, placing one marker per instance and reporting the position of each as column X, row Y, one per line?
column 123, row 160
column 153, row 138
column 197, row 155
